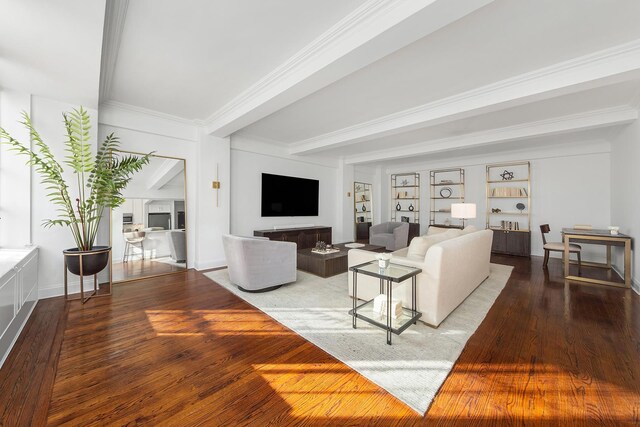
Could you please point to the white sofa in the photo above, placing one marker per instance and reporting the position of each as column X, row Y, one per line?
column 451, row 270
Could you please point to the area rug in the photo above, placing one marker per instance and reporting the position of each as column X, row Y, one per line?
column 418, row 362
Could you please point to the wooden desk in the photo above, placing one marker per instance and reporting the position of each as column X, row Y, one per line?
column 597, row 237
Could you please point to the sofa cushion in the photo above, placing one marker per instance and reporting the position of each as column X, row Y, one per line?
column 420, row 245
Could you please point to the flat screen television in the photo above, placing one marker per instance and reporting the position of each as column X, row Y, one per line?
column 289, row 196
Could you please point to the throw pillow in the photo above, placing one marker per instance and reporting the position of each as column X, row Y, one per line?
column 436, row 230
column 420, row 245
column 469, row 229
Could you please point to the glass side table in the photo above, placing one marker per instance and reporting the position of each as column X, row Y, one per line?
column 395, row 273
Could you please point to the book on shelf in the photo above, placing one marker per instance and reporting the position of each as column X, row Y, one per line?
column 509, row 225
column 509, row 192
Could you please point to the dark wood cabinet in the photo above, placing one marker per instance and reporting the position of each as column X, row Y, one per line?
column 511, row 242
column 362, row 231
column 414, row 231
column 303, row 237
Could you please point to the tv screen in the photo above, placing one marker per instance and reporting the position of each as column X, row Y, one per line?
column 289, row 196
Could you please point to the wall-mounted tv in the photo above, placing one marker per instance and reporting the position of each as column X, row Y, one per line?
column 289, row 196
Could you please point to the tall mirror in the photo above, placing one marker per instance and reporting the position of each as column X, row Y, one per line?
column 363, row 205
column 148, row 231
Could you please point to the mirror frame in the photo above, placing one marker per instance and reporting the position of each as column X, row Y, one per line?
column 186, row 221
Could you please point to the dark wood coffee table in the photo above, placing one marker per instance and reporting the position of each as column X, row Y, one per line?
column 330, row 264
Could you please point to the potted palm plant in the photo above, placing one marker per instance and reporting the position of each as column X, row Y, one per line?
column 99, row 182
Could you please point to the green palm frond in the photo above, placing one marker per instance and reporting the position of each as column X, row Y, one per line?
column 104, row 176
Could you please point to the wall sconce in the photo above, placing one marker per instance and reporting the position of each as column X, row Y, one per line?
column 216, row 186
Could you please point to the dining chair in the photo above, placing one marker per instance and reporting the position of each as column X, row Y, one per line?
column 557, row 247
column 133, row 239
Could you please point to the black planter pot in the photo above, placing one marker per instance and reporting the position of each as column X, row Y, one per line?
column 93, row 261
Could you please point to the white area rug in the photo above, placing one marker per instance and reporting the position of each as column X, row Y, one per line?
column 418, row 362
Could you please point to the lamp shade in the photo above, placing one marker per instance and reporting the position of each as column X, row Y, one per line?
column 463, row 210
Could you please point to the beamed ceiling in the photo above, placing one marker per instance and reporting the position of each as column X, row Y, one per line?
column 380, row 81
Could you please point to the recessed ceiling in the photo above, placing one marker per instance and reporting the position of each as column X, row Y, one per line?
column 189, row 58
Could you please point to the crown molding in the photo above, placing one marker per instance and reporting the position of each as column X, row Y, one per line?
column 569, row 149
column 114, row 19
column 141, row 119
column 559, row 125
column 608, row 66
column 368, row 23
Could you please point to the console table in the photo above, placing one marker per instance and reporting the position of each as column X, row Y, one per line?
column 305, row 237
column 597, row 237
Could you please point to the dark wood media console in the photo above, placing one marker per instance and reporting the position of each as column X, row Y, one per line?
column 305, row 237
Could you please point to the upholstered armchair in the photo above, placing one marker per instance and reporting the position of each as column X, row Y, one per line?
column 257, row 264
column 391, row 235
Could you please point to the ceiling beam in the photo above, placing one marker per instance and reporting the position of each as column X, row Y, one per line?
column 609, row 66
column 372, row 31
column 115, row 15
column 556, row 126
column 168, row 170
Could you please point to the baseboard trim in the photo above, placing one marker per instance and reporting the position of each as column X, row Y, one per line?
column 206, row 265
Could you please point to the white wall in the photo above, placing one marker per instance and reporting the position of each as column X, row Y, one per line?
column 625, row 191
column 567, row 188
column 15, row 177
column 143, row 131
column 246, row 177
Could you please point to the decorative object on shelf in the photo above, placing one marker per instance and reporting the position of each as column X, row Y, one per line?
column 360, row 219
column 520, row 207
column 446, row 192
column 321, row 246
column 363, row 198
column 398, row 207
column 383, row 260
column 463, row 211
column 411, row 208
column 404, row 219
column 364, row 208
column 405, row 182
column 496, row 210
column 358, row 187
column 446, row 181
column 506, row 175
column 613, row 229
column 100, row 182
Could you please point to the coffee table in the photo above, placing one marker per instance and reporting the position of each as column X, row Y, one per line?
column 327, row 265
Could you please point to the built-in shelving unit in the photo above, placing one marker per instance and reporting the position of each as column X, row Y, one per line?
column 446, row 187
column 509, row 207
column 363, row 208
column 405, row 197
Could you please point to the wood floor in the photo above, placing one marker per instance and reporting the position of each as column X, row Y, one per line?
column 139, row 268
column 180, row 350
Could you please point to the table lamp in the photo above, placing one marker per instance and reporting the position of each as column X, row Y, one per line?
column 463, row 211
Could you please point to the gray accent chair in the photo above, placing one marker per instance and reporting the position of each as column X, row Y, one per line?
column 391, row 235
column 257, row 264
column 178, row 246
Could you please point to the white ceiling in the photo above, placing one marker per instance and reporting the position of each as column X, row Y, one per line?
column 189, row 58
column 356, row 78
column 52, row 48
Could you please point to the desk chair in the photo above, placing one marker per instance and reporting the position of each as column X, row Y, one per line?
column 558, row 247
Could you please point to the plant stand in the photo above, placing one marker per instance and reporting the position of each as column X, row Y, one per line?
column 94, row 292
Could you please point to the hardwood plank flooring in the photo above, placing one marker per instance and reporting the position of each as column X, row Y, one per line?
column 139, row 268
column 180, row 350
